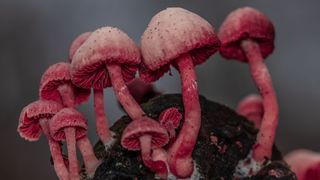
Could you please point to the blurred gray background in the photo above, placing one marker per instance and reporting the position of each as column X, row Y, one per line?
column 35, row 34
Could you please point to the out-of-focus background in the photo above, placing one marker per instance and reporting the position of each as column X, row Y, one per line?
column 35, row 34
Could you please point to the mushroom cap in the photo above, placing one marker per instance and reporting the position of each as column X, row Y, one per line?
column 251, row 103
column 67, row 117
column 76, row 43
column 145, row 126
column 29, row 127
column 173, row 32
column 246, row 23
column 106, row 45
column 170, row 118
column 56, row 75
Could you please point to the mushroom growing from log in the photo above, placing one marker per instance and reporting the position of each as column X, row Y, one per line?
column 248, row 36
column 179, row 37
column 105, row 50
column 251, row 107
column 56, row 85
column 170, row 119
column 146, row 134
column 34, row 119
column 76, row 43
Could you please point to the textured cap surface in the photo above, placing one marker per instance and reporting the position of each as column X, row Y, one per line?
column 175, row 31
column 106, row 45
column 67, row 117
column 56, row 75
column 77, row 43
column 245, row 23
column 146, row 126
column 29, row 127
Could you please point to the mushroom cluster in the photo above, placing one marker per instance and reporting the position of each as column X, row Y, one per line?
column 108, row 57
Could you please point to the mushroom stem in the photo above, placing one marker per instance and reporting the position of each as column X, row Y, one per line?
column 67, row 95
column 157, row 166
column 72, row 153
column 261, row 76
column 102, row 126
column 180, row 161
column 58, row 163
column 123, row 94
column 90, row 160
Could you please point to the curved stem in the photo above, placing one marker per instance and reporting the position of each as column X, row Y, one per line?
column 102, row 126
column 156, row 166
column 124, row 96
column 58, row 163
column 180, row 160
column 72, row 153
column 90, row 160
column 265, row 138
column 67, row 95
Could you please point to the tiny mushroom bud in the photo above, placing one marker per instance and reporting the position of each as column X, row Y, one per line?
column 56, row 85
column 304, row 163
column 251, row 107
column 77, row 43
column 66, row 125
column 170, row 119
column 146, row 134
column 179, row 37
column 248, row 36
column 34, row 119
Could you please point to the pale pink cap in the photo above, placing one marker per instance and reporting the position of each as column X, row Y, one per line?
column 176, row 31
column 106, row 45
column 146, row 126
column 67, row 117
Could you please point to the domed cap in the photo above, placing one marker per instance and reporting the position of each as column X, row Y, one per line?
column 106, row 45
column 29, row 127
column 56, row 75
column 246, row 23
column 77, row 43
column 251, row 103
column 146, row 126
column 67, row 117
column 176, row 31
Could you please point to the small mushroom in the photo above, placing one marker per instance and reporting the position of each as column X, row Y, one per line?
column 34, row 119
column 170, row 119
column 146, row 134
column 248, row 36
column 67, row 126
column 251, row 107
column 76, row 43
column 179, row 37
column 304, row 163
column 56, row 85
column 142, row 91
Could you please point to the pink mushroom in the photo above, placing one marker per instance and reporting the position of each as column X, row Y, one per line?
column 107, row 49
column 56, row 85
column 34, row 119
column 305, row 163
column 146, row 134
column 179, row 37
column 248, row 36
column 142, row 91
column 70, row 125
column 170, row 119
column 77, row 43
column 251, row 107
